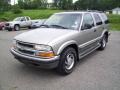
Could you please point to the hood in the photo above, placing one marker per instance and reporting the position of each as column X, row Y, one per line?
column 43, row 35
column 13, row 22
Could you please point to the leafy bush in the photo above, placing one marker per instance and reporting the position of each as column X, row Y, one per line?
column 114, row 18
column 4, row 19
column 16, row 9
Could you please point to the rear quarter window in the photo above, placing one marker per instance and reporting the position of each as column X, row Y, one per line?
column 105, row 18
column 97, row 19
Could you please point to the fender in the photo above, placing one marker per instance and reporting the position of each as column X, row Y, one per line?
column 103, row 33
column 64, row 45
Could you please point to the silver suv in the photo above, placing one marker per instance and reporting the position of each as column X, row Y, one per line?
column 62, row 40
column 18, row 23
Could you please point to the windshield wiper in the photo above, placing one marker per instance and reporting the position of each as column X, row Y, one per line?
column 59, row 26
column 44, row 25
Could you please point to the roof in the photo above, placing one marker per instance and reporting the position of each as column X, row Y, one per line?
column 79, row 12
column 116, row 9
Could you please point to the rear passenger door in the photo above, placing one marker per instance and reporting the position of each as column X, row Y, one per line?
column 99, row 25
column 88, row 33
column 105, row 21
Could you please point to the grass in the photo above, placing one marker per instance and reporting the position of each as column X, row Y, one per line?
column 34, row 14
column 40, row 14
column 114, row 22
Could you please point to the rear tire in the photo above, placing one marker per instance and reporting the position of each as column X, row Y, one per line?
column 103, row 43
column 67, row 62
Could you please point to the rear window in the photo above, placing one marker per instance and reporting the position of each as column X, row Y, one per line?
column 104, row 17
column 97, row 19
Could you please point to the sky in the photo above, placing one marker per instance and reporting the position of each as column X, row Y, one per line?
column 15, row 1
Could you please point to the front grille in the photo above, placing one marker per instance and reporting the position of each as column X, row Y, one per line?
column 25, row 45
column 26, row 52
column 7, row 24
column 25, row 48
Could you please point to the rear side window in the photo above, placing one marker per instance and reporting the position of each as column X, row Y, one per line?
column 104, row 17
column 97, row 19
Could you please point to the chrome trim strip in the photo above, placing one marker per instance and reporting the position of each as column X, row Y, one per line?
column 89, row 42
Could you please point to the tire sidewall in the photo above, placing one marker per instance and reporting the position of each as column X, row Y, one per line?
column 103, row 41
column 17, row 27
column 63, row 57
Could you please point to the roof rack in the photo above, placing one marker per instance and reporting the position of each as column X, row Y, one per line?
column 94, row 11
column 85, row 11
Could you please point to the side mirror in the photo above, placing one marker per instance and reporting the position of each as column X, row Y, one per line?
column 86, row 26
column 21, row 20
column 107, row 21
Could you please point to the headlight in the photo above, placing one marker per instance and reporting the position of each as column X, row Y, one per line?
column 10, row 24
column 43, row 47
column 44, row 51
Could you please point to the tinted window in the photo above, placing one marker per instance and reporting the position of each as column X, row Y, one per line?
column 104, row 17
column 27, row 18
column 23, row 19
column 88, row 22
column 17, row 19
column 97, row 19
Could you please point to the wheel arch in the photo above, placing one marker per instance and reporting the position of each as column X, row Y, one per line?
column 72, row 44
column 105, row 32
column 17, row 24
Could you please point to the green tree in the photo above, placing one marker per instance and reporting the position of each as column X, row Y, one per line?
column 66, row 4
column 96, row 4
column 4, row 5
column 32, row 4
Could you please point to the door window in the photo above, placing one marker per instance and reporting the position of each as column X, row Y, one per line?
column 27, row 18
column 88, row 22
column 23, row 19
column 104, row 17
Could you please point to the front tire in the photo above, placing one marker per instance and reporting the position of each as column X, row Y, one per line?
column 67, row 62
column 16, row 27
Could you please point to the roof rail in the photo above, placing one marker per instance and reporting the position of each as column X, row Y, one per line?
column 95, row 11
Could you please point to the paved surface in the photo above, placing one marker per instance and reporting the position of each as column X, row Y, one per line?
column 98, row 71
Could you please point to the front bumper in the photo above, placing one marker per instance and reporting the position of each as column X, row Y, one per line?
column 35, row 26
column 9, row 28
column 38, row 62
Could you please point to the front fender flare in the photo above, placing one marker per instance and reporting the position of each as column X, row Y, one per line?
column 64, row 45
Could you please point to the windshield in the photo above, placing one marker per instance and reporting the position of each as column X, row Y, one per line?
column 65, row 21
column 17, row 19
